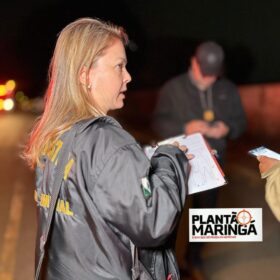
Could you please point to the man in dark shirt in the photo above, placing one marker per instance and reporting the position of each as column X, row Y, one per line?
column 201, row 101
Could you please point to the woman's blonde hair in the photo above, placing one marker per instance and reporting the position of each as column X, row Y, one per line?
column 67, row 101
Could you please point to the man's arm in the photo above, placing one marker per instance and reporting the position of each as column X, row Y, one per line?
column 237, row 120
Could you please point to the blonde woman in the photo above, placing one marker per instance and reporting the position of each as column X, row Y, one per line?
column 111, row 194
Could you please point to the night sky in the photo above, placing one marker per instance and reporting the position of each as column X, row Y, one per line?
column 163, row 33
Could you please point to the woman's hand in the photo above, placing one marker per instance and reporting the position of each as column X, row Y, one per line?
column 266, row 163
column 183, row 149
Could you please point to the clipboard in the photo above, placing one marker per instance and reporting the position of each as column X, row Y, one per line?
column 205, row 172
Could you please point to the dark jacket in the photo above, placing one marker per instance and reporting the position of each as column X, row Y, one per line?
column 111, row 193
column 179, row 103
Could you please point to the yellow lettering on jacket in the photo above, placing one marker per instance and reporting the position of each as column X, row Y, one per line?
column 57, row 147
column 63, row 206
column 68, row 168
column 53, row 153
column 45, row 200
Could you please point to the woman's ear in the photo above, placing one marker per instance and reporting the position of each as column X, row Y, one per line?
column 83, row 78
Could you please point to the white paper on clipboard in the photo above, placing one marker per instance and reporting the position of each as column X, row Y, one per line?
column 205, row 172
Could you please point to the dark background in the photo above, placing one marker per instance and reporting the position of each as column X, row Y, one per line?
column 164, row 34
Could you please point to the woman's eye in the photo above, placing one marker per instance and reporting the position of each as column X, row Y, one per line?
column 120, row 66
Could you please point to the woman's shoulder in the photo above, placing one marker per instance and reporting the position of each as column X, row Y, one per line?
column 95, row 122
column 104, row 132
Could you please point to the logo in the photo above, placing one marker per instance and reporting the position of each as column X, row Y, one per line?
column 244, row 217
column 225, row 224
column 146, row 187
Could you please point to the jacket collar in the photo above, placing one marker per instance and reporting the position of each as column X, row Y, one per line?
column 82, row 125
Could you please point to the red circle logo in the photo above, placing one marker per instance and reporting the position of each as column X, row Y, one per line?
column 243, row 217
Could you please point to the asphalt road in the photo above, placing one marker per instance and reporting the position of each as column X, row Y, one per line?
column 17, row 207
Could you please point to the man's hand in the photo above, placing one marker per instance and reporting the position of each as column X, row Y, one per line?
column 266, row 163
column 218, row 130
column 196, row 126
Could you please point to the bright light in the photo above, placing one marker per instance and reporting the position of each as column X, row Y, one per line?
column 8, row 104
column 10, row 85
column 2, row 90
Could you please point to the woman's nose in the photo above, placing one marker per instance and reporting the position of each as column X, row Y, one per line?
column 127, row 77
